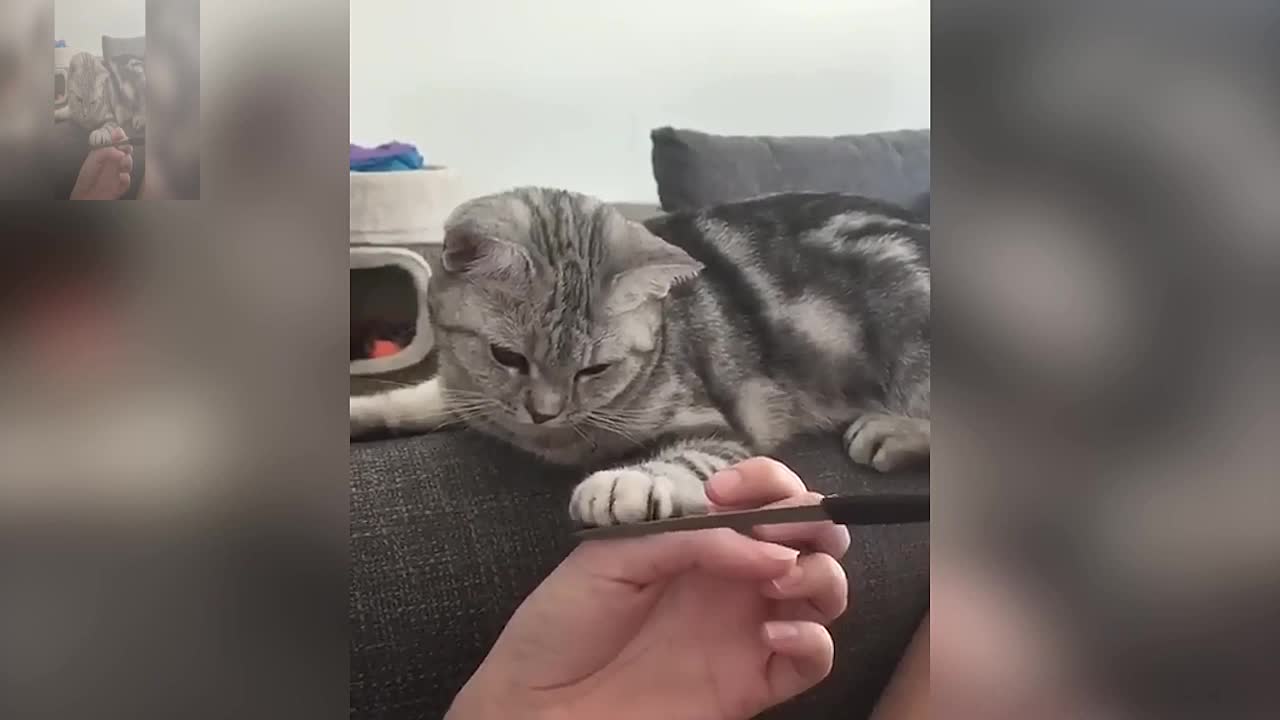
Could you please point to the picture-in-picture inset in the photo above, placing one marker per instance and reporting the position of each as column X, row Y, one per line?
column 109, row 91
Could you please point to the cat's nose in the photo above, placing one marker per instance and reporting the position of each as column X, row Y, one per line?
column 540, row 412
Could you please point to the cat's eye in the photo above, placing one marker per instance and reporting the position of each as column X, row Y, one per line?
column 592, row 370
column 509, row 358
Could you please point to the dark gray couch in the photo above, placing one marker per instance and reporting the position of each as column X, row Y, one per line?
column 450, row 531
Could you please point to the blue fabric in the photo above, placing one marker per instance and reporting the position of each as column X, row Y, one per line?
column 387, row 157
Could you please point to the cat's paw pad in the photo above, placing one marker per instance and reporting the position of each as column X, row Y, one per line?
column 888, row 442
column 622, row 496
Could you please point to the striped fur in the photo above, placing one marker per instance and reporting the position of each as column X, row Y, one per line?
column 91, row 97
column 706, row 337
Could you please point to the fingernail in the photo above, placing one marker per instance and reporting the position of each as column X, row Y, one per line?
column 776, row 631
column 781, row 552
column 726, row 481
column 790, row 580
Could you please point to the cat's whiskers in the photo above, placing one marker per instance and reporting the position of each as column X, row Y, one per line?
column 386, row 381
column 450, row 393
column 461, row 418
column 464, row 391
column 628, row 413
column 627, row 419
column 577, row 430
column 460, row 411
column 611, row 425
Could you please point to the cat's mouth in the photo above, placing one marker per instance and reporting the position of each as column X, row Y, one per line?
column 548, row 427
column 559, row 430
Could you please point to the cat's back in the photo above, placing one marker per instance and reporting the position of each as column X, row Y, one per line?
column 807, row 305
column 800, row 241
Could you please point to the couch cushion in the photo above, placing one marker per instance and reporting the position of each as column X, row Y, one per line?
column 694, row 169
column 450, row 531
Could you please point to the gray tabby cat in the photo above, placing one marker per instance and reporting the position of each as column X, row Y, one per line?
column 106, row 94
column 702, row 338
column 91, row 97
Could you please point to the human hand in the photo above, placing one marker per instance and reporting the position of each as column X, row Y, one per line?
column 708, row 624
column 106, row 172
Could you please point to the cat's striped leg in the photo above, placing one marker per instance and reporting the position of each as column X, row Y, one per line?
column 896, row 437
column 668, row 484
column 413, row 409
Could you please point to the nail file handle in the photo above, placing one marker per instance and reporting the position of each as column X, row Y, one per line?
column 899, row 508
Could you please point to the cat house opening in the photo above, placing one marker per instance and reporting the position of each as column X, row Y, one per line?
column 389, row 328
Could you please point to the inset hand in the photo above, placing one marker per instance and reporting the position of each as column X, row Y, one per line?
column 106, row 172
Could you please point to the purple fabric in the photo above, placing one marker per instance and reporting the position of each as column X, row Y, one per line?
column 387, row 150
column 388, row 156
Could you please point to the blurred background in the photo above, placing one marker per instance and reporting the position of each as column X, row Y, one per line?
column 1106, row 264
column 173, row 521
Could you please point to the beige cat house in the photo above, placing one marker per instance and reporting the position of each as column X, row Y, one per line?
column 397, row 219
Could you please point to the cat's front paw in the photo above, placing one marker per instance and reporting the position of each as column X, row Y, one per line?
column 100, row 137
column 888, row 442
column 364, row 416
column 622, row 496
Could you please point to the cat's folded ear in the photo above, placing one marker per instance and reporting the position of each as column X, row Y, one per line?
column 484, row 257
column 645, row 267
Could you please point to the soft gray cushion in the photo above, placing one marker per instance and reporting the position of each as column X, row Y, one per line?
column 450, row 531
column 694, row 169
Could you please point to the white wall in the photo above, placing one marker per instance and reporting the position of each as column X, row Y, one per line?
column 82, row 23
column 564, row 92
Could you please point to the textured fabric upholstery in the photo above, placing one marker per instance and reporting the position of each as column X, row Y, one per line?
column 450, row 531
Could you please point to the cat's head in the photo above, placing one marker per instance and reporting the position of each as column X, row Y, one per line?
column 87, row 99
column 547, row 305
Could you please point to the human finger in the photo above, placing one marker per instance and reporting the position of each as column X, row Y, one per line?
column 753, row 482
column 822, row 535
column 802, row 656
column 720, row 551
column 816, row 589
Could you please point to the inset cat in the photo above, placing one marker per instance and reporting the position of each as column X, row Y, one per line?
column 103, row 94
column 701, row 337
column 91, row 97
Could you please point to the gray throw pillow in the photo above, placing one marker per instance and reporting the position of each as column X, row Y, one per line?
column 695, row 169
